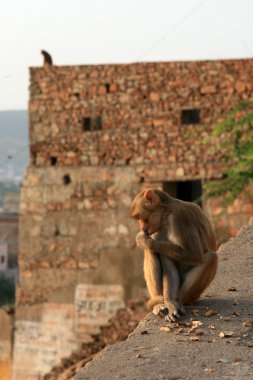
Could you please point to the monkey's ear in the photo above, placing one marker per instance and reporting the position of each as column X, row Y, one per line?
column 152, row 199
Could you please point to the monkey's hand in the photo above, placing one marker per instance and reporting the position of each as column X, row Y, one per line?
column 143, row 240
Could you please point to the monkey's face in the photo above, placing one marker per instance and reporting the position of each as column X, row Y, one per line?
column 147, row 210
column 150, row 223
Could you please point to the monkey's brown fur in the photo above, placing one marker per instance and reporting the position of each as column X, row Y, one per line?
column 47, row 58
column 179, row 250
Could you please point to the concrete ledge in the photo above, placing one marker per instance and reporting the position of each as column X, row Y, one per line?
column 218, row 346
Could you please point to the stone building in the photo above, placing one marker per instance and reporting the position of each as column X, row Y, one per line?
column 98, row 134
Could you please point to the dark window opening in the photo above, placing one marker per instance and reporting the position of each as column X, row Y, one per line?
column 2, row 259
column 190, row 116
column 141, row 180
column 53, row 161
column 107, row 86
column 66, row 179
column 87, row 124
column 57, row 232
column 189, row 191
column 92, row 124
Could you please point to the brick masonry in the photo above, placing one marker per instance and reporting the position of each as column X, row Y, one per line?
column 98, row 134
column 138, row 108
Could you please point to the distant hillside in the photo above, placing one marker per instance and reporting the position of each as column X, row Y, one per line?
column 14, row 124
column 13, row 144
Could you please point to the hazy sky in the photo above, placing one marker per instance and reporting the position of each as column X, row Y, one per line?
column 116, row 31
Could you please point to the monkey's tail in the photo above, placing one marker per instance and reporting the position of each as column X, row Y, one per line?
column 154, row 301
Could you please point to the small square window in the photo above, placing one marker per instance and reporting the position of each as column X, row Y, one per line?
column 87, row 124
column 107, row 86
column 53, row 160
column 190, row 116
column 92, row 124
column 66, row 179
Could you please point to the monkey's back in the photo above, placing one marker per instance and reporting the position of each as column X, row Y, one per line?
column 189, row 217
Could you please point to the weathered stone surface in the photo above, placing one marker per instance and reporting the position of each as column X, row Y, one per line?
column 120, row 109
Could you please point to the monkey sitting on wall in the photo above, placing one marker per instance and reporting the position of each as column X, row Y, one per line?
column 179, row 244
column 47, row 58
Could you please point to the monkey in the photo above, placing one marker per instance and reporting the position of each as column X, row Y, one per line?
column 47, row 58
column 168, row 278
column 179, row 246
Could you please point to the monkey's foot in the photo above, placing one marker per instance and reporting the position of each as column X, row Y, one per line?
column 160, row 309
column 175, row 311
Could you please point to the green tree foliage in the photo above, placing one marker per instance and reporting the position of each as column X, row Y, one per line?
column 7, row 291
column 235, row 134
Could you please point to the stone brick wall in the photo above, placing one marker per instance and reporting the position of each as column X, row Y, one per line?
column 82, row 228
column 237, row 215
column 98, row 134
column 76, row 251
column 134, row 112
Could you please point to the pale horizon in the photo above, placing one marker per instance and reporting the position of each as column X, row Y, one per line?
column 81, row 32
